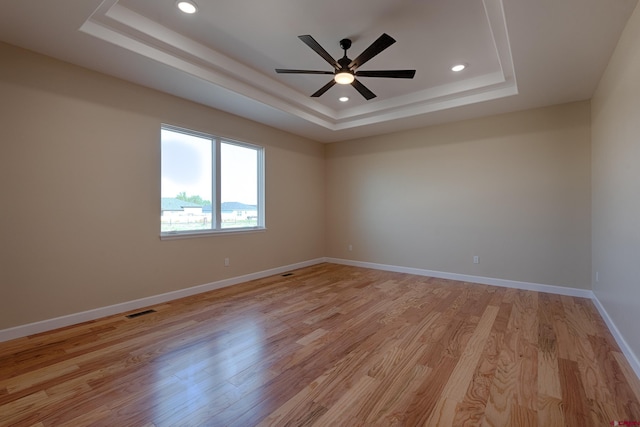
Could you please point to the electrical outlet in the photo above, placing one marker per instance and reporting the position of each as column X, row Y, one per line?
column 226, row 262
column 597, row 276
column 350, row 248
column 476, row 259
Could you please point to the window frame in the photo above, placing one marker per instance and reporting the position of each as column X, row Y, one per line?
column 216, row 186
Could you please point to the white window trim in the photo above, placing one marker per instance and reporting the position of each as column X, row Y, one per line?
column 208, row 233
column 216, row 189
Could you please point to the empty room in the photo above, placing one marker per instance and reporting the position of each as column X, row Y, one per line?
column 294, row 213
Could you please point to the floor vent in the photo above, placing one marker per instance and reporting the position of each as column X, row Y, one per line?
column 287, row 274
column 138, row 314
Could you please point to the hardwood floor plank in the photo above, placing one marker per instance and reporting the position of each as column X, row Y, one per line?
column 548, row 378
column 504, row 385
column 390, row 407
column 39, row 376
column 16, row 410
column 427, row 394
column 565, row 341
column 471, row 410
column 401, row 374
column 575, row 405
column 328, row 345
column 349, row 408
column 444, row 414
column 98, row 416
column 522, row 417
column 550, row 412
column 461, row 376
column 297, row 410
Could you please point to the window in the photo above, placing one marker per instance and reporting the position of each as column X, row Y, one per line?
column 209, row 184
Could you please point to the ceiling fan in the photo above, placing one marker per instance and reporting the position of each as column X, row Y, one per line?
column 346, row 70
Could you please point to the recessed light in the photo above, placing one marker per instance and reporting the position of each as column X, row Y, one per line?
column 458, row 67
column 187, row 6
column 343, row 99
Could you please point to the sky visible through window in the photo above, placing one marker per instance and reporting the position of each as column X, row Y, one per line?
column 239, row 174
column 186, row 167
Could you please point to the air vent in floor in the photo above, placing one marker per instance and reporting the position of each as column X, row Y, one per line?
column 138, row 314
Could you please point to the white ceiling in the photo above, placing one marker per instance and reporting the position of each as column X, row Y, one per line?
column 520, row 54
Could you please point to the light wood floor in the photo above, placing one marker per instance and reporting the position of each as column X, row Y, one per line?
column 329, row 345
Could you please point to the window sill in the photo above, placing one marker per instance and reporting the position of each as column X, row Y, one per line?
column 210, row 233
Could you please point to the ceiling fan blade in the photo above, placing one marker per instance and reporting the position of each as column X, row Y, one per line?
column 324, row 88
column 383, row 42
column 394, row 74
column 281, row 71
column 313, row 44
column 363, row 90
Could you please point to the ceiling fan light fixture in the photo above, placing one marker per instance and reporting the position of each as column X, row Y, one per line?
column 344, row 69
column 187, row 6
column 344, row 78
column 343, row 99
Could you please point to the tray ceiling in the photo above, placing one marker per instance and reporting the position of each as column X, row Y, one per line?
column 518, row 54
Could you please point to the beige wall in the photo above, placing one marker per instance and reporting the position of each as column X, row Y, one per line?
column 79, row 149
column 80, row 188
column 513, row 189
column 616, row 185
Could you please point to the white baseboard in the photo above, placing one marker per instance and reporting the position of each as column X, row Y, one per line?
column 85, row 316
column 561, row 290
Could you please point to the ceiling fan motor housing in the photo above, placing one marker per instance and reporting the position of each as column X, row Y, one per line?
column 345, row 44
column 344, row 65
